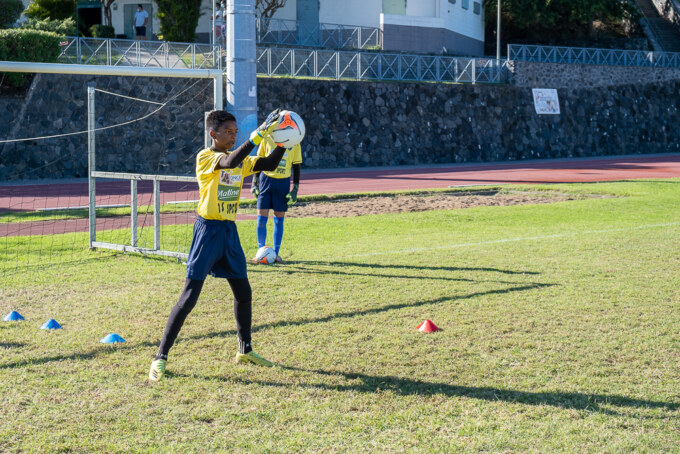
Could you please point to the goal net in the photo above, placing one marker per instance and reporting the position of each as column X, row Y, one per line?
column 124, row 146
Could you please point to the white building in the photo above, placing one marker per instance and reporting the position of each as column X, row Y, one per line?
column 452, row 26
column 435, row 26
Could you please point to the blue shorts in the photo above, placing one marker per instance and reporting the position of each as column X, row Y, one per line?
column 273, row 192
column 216, row 250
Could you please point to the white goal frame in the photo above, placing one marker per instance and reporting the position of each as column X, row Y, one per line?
column 54, row 68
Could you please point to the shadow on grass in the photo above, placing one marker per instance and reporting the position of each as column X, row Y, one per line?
column 376, row 310
column 95, row 352
column 566, row 400
column 9, row 345
column 336, row 272
column 410, row 387
column 406, row 267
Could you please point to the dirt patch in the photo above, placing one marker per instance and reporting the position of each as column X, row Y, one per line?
column 432, row 201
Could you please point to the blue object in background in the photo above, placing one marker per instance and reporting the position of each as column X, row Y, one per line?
column 112, row 339
column 248, row 125
column 51, row 324
column 13, row 316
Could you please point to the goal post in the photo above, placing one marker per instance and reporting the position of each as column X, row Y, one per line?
column 95, row 202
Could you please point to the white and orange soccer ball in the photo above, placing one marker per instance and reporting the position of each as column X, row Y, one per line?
column 290, row 131
column 265, row 255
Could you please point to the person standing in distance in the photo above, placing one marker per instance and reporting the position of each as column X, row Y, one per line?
column 272, row 190
column 219, row 20
column 215, row 247
column 140, row 20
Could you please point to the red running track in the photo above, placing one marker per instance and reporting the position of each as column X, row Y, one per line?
column 31, row 197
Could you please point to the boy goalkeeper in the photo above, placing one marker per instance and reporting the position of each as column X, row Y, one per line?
column 215, row 247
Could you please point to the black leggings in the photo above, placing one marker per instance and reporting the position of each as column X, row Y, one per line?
column 187, row 300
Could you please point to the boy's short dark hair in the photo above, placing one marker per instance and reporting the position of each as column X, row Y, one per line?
column 217, row 118
column 140, row 6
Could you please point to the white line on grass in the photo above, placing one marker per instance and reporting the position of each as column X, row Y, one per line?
column 509, row 240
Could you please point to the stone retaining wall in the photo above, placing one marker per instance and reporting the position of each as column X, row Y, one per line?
column 561, row 75
column 349, row 124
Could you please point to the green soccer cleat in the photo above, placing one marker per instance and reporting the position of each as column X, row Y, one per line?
column 252, row 357
column 157, row 370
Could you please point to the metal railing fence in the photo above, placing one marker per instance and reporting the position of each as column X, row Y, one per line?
column 291, row 62
column 328, row 64
column 128, row 52
column 593, row 56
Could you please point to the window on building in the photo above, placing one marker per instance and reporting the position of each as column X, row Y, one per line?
column 466, row 4
column 477, row 7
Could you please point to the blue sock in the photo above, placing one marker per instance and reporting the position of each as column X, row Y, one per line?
column 261, row 230
column 278, row 233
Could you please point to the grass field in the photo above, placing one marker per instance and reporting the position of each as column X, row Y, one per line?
column 560, row 332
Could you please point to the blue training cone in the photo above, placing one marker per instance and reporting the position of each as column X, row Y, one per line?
column 51, row 324
column 13, row 316
column 112, row 338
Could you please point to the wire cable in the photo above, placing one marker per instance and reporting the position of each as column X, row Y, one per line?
column 128, row 97
column 103, row 128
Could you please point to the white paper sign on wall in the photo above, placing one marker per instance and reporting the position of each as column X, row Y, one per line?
column 546, row 101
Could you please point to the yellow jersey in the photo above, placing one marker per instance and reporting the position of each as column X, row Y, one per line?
column 220, row 190
column 290, row 157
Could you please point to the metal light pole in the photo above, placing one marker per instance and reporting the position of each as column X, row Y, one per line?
column 242, row 66
column 498, row 34
column 212, row 29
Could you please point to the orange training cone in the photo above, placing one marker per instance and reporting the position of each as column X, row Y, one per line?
column 427, row 327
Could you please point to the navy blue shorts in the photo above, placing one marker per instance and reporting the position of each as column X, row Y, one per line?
column 273, row 192
column 216, row 250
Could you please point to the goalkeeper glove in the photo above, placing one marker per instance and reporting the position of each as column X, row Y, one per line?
column 265, row 128
column 255, row 187
column 292, row 195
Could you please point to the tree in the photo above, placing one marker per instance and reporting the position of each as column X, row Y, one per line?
column 106, row 5
column 178, row 19
column 10, row 10
column 51, row 9
column 267, row 8
column 547, row 20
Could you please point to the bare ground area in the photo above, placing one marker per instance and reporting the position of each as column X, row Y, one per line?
column 433, row 201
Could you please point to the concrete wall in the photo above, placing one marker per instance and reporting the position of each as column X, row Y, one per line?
column 345, row 12
column 424, row 8
column 463, row 21
column 413, row 34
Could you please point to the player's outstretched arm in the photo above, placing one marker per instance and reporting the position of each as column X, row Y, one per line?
column 236, row 157
column 270, row 162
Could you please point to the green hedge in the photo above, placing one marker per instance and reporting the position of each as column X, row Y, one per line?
column 10, row 10
column 102, row 31
column 29, row 46
column 65, row 27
